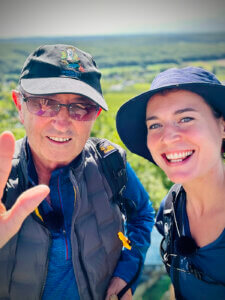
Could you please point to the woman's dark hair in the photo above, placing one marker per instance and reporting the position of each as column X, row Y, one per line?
column 217, row 114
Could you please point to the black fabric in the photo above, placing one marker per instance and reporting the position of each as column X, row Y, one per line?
column 114, row 169
column 62, row 69
column 62, row 61
column 171, row 236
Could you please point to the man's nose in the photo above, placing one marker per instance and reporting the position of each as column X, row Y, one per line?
column 62, row 120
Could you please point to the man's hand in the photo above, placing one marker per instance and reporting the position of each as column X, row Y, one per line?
column 116, row 285
column 11, row 220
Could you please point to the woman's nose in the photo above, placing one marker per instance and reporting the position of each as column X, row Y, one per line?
column 171, row 133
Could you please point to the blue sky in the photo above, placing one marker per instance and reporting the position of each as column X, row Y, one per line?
column 22, row 18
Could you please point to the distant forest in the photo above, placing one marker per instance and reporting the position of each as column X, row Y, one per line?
column 120, row 51
column 128, row 65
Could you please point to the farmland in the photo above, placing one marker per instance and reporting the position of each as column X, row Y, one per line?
column 128, row 65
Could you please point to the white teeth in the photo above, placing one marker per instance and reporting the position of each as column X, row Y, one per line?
column 175, row 160
column 57, row 139
column 179, row 156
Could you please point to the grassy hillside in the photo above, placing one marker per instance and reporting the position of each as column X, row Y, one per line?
column 128, row 65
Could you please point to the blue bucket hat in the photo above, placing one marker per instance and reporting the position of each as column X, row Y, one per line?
column 130, row 119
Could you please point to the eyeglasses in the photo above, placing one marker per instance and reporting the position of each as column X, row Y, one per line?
column 44, row 107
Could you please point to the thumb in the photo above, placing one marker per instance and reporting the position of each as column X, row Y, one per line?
column 28, row 201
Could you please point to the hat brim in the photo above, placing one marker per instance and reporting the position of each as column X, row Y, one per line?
column 131, row 116
column 60, row 85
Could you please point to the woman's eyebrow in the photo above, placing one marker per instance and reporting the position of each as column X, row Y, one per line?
column 183, row 110
column 151, row 118
column 177, row 112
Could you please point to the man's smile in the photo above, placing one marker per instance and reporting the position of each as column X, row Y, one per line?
column 59, row 139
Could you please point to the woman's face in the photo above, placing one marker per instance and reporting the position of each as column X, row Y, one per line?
column 184, row 137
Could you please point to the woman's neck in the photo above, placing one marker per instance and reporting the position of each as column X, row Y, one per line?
column 208, row 192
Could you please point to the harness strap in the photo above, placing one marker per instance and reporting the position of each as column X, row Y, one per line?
column 114, row 168
column 176, row 276
column 170, row 233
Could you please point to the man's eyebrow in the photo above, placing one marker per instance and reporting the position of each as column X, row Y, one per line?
column 81, row 98
column 177, row 112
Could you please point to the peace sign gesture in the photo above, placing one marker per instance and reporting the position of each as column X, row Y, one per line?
column 11, row 220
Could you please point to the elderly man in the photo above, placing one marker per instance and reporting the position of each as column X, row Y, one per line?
column 67, row 246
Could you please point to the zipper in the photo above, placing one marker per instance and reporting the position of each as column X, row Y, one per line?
column 76, row 192
column 64, row 227
column 46, row 264
column 38, row 220
column 66, row 242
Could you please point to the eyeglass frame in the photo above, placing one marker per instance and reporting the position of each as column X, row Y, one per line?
column 27, row 98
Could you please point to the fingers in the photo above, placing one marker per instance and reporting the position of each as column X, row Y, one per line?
column 116, row 285
column 27, row 202
column 113, row 297
column 126, row 296
column 11, row 220
column 7, row 146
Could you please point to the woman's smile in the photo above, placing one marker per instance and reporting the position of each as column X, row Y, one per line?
column 179, row 156
column 183, row 135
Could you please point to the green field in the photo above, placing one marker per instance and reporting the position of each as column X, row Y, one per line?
column 157, row 291
column 128, row 65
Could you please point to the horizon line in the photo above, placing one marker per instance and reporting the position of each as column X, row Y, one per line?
column 110, row 35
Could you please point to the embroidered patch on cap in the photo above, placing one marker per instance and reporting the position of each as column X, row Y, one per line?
column 70, row 58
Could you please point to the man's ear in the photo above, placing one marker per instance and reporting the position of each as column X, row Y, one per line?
column 16, row 99
column 99, row 111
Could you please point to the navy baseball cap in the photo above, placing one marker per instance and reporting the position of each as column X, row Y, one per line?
column 62, row 69
column 131, row 117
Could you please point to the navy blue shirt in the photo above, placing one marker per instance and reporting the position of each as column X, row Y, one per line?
column 60, row 282
column 209, row 259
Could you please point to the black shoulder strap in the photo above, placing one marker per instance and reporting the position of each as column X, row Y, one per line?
column 167, row 245
column 170, row 198
column 168, row 218
column 169, row 234
column 113, row 165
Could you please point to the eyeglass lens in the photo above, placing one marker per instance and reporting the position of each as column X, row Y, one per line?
column 44, row 107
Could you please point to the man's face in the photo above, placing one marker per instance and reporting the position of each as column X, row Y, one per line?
column 56, row 141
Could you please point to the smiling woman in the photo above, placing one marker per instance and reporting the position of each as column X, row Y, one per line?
column 179, row 126
column 183, row 134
